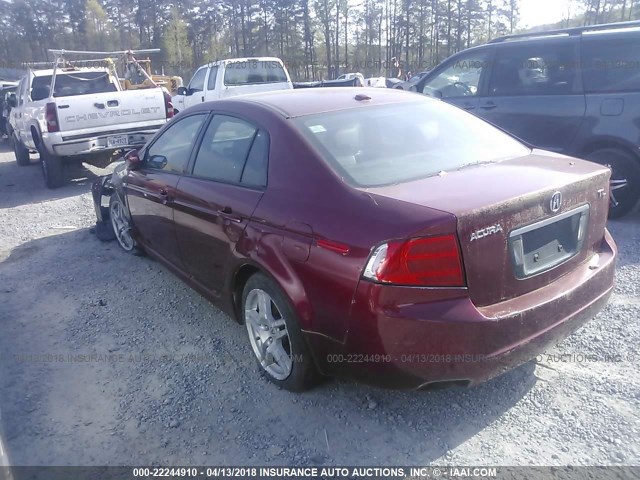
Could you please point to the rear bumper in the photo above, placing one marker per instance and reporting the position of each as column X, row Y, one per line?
column 63, row 144
column 403, row 337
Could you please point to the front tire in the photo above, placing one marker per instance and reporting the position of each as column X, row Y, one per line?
column 275, row 336
column 625, row 179
column 52, row 168
column 21, row 152
column 121, row 225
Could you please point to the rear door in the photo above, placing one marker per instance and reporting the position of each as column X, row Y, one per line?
column 459, row 80
column 535, row 92
column 151, row 189
column 215, row 202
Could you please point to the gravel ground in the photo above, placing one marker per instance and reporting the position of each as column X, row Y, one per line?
column 172, row 380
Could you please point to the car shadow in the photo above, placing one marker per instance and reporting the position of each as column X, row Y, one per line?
column 21, row 185
column 4, row 146
column 622, row 228
column 183, row 382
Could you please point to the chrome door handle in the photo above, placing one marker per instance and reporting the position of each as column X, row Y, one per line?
column 227, row 213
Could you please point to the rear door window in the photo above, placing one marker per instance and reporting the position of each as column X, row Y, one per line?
column 255, row 170
column 536, row 68
column 224, row 149
column 611, row 64
column 254, row 72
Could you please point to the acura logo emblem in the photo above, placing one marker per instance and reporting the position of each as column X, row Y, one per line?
column 556, row 202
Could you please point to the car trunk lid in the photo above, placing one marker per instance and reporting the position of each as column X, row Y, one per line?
column 522, row 223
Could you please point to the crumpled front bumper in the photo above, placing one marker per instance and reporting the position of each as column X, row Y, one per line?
column 101, row 190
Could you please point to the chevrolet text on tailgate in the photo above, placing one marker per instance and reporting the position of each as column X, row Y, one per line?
column 82, row 112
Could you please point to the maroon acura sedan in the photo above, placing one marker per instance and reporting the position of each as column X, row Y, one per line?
column 370, row 233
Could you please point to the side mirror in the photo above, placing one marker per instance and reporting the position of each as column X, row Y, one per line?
column 12, row 101
column 182, row 91
column 158, row 162
column 133, row 159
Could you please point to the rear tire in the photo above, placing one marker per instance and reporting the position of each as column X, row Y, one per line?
column 625, row 179
column 21, row 152
column 274, row 334
column 52, row 168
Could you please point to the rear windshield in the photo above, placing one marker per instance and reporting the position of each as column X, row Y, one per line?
column 70, row 84
column 254, row 72
column 384, row 145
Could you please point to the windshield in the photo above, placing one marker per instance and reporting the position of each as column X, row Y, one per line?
column 376, row 146
column 254, row 72
column 70, row 84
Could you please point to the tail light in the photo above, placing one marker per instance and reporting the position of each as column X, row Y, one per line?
column 168, row 105
column 424, row 262
column 51, row 116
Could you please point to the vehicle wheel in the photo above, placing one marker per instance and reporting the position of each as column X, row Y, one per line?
column 122, row 225
column 275, row 336
column 625, row 179
column 52, row 169
column 21, row 152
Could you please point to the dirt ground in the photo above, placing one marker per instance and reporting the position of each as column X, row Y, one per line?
column 108, row 359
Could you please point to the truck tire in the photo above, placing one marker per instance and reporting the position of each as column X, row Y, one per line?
column 625, row 179
column 52, row 169
column 21, row 152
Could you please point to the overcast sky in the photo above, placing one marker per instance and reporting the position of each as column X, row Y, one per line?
column 540, row 12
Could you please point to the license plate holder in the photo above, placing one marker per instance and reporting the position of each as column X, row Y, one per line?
column 544, row 245
column 118, row 141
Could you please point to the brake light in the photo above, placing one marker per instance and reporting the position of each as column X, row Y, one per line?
column 168, row 105
column 51, row 117
column 424, row 262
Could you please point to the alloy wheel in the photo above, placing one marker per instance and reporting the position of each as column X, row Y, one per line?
column 617, row 183
column 268, row 334
column 121, row 226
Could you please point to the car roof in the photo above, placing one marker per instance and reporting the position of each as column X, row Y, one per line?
column 310, row 101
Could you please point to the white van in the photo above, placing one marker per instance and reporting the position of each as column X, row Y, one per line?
column 235, row 76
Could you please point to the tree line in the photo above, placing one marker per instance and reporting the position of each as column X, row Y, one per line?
column 316, row 38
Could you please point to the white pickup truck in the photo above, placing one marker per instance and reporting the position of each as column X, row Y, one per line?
column 235, row 76
column 83, row 114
